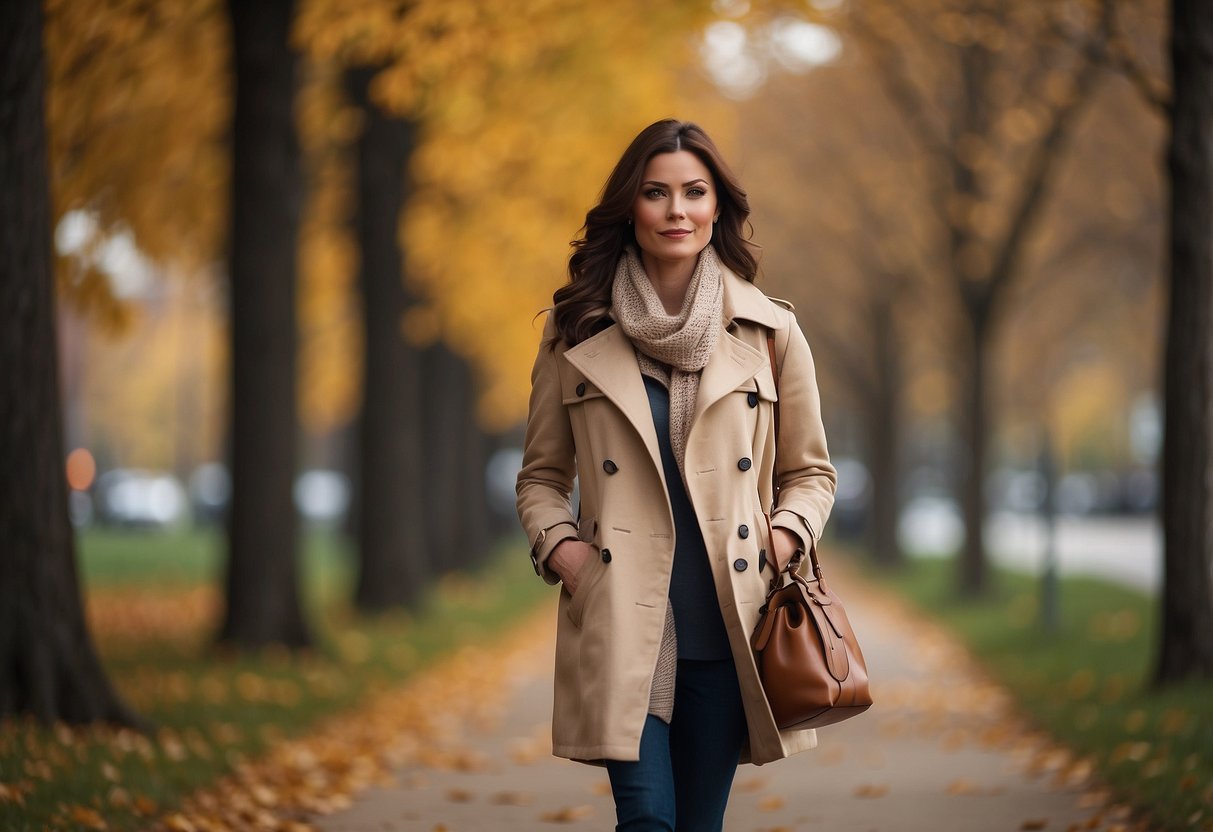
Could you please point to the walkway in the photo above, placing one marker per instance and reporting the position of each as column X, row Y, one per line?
column 940, row 751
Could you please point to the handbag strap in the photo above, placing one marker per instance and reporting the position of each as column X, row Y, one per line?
column 795, row 562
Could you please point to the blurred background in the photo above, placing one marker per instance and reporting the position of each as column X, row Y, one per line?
column 301, row 252
column 943, row 228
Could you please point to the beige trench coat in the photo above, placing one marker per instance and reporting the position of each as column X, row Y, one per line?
column 590, row 417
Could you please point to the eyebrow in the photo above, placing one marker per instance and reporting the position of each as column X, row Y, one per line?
column 664, row 185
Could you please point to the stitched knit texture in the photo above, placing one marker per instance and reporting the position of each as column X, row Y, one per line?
column 684, row 341
column 673, row 349
column 661, row 696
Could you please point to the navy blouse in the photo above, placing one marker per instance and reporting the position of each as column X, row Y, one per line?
column 697, row 618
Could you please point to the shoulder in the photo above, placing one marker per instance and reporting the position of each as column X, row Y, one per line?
column 786, row 304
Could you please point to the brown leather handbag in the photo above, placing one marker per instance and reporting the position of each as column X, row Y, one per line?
column 808, row 658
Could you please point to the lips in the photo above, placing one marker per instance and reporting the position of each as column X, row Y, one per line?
column 675, row 233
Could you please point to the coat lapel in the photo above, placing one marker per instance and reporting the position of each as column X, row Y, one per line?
column 609, row 361
column 732, row 362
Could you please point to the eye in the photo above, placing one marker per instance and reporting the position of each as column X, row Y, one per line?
column 654, row 193
column 696, row 193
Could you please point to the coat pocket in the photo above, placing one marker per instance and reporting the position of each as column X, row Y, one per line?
column 591, row 570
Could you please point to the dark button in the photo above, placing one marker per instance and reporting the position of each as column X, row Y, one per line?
column 606, row 555
column 581, row 389
column 762, row 559
column 744, row 463
column 743, row 531
column 752, row 398
column 609, row 466
column 741, row 564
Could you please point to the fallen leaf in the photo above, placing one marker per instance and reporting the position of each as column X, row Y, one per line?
column 771, row 803
column 459, row 796
column 963, row 786
column 179, row 823
column 871, row 790
column 87, row 817
column 569, row 814
column 145, row 806
column 753, row 784
column 513, row 799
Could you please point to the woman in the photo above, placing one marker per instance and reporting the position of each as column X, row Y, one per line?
column 654, row 387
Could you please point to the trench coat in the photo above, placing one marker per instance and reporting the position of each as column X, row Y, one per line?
column 590, row 418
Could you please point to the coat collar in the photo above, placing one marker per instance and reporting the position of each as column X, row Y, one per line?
column 745, row 301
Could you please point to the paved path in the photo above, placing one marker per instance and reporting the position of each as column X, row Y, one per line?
column 940, row 751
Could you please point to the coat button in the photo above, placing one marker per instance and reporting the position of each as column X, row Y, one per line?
column 744, row 463
column 741, row 564
column 609, row 466
column 743, row 531
column 606, row 555
column 752, row 398
column 581, row 389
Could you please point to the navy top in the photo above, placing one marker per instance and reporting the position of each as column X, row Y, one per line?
column 697, row 619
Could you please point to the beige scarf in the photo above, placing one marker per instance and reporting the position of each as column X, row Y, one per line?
column 672, row 349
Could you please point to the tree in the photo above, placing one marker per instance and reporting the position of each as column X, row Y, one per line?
column 48, row 666
column 262, row 582
column 391, row 526
column 1187, row 500
column 830, row 211
column 992, row 93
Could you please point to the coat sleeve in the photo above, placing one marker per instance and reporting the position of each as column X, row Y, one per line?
column 806, row 477
column 545, row 483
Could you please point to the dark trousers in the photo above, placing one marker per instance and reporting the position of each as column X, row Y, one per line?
column 681, row 782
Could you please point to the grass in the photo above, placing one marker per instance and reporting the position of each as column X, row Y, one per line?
column 1088, row 683
column 153, row 605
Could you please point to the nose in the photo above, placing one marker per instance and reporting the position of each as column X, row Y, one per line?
column 676, row 209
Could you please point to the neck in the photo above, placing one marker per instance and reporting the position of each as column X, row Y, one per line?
column 670, row 280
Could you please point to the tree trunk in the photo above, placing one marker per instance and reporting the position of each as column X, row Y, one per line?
column 974, row 572
column 457, row 502
column 263, row 597
column 48, row 666
column 1187, row 512
column 885, row 438
column 445, row 414
column 393, row 530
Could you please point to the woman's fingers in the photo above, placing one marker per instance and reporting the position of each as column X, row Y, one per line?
column 785, row 544
column 568, row 558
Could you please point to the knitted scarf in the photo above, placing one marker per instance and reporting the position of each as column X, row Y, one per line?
column 673, row 349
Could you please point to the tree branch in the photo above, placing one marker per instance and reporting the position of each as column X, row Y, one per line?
column 1040, row 167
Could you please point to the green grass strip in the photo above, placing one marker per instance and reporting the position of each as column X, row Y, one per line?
column 1088, row 683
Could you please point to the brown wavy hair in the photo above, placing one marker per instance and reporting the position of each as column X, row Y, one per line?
column 581, row 305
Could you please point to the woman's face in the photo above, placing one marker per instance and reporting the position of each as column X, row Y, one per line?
column 674, row 212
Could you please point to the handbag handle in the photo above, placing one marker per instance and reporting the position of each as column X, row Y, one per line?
column 794, row 563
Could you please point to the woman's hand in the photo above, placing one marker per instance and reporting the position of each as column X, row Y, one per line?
column 567, row 559
column 785, row 544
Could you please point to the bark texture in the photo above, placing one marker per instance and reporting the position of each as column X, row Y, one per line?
column 48, row 666
column 262, row 593
column 392, row 528
column 1187, row 475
